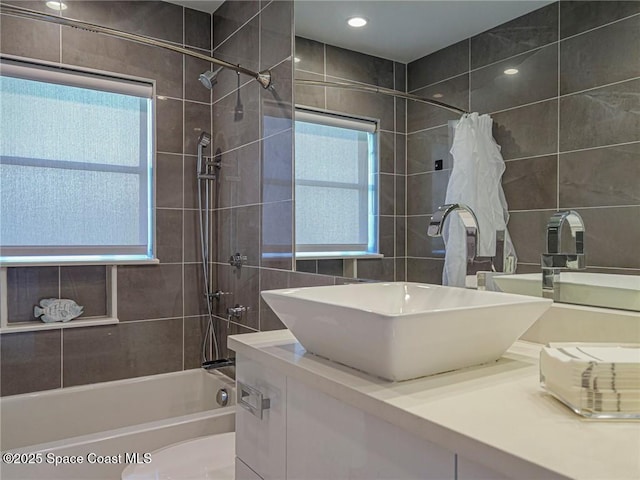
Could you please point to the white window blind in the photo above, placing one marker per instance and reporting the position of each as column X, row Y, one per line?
column 76, row 158
column 335, row 185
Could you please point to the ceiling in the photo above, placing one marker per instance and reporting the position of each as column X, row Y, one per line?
column 397, row 30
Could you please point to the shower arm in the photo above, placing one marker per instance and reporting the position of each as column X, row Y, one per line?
column 381, row 90
column 263, row 77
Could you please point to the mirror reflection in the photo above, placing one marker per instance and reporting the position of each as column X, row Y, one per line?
column 560, row 82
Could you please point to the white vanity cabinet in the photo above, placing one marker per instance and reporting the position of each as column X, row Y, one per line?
column 306, row 434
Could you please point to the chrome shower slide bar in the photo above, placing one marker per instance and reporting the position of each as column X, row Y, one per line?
column 381, row 90
column 263, row 77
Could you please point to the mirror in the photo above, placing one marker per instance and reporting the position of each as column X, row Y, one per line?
column 566, row 119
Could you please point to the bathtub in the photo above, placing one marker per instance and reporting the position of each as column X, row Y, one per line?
column 95, row 431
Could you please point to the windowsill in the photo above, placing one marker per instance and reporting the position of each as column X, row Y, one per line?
column 78, row 263
column 39, row 326
column 337, row 256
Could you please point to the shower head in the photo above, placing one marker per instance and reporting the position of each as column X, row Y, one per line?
column 208, row 78
column 204, row 140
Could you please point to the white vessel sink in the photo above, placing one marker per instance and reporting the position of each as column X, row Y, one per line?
column 595, row 289
column 399, row 330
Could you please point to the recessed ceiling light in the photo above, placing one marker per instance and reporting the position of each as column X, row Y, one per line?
column 357, row 22
column 437, row 95
column 296, row 60
column 56, row 5
column 511, row 71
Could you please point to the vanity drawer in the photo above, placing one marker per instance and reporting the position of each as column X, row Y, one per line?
column 260, row 419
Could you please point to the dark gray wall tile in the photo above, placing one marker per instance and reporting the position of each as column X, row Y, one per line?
column 156, row 19
column 527, row 230
column 116, row 55
column 532, row 30
column 401, row 198
column 277, row 168
column 230, row 16
column 197, row 29
column 401, row 236
column 194, row 299
column 604, row 116
column 30, row 362
column 537, row 79
column 446, row 63
column 427, row 146
column 238, row 231
column 309, row 96
column 239, row 177
column 277, row 105
column 241, row 48
column 193, row 89
column 244, row 288
column 191, row 236
column 311, row 55
column 362, row 104
column 169, row 125
column 527, row 131
column 30, row 38
column 194, row 329
column 275, row 33
column 87, row 285
column 386, row 245
column 237, row 118
column 382, row 269
column 612, row 235
column 333, row 267
column 113, row 352
column 169, row 181
column 387, row 199
column 297, row 279
column 386, row 152
column 400, row 76
column 419, row 244
column 606, row 55
column 425, row 270
column 426, row 192
column 401, row 115
column 401, row 153
column 197, row 119
column 454, row 92
column 531, row 183
column 359, row 67
column 146, row 292
column 307, row 266
column 600, row 177
column 271, row 280
column 580, row 16
column 169, row 235
column 26, row 286
column 277, row 247
column 191, row 181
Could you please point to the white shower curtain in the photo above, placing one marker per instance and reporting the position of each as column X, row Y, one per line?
column 475, row 181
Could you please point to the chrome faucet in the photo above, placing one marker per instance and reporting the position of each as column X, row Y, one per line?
column 554, row 261
column 470, row 222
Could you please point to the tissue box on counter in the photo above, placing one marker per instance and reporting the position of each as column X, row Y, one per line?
column 595, row 380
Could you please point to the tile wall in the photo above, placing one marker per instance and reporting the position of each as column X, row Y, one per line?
column 568, row 124
column 319, row 61
column 158, row 306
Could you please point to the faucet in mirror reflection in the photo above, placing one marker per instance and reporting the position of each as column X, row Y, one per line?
column 555, row 260
column 476, row 198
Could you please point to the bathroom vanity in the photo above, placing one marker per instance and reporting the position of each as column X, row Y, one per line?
column 306, row 417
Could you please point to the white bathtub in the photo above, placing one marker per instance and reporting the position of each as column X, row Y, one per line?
column 108, row 422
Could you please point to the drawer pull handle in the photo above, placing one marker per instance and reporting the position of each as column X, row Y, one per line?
column 252, row 400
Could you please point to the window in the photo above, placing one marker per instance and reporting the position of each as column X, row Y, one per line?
column 336, row 185
column 76, row 157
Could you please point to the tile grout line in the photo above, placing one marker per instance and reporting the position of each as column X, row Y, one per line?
column 558, row 118
column 595, row 28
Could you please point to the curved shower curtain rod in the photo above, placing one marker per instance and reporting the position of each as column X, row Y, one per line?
column 381, row 90
column 264, row 77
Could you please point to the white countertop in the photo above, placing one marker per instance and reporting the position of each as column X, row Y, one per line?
column 495, row 414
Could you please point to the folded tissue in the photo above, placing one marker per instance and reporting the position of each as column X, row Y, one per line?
column 595, row 380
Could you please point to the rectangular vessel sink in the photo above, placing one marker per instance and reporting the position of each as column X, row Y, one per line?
column 400, row 330
column 595, row 289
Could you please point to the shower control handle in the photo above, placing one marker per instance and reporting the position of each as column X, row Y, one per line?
column 237, row 260
column 218, row 294
column 237, row 311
